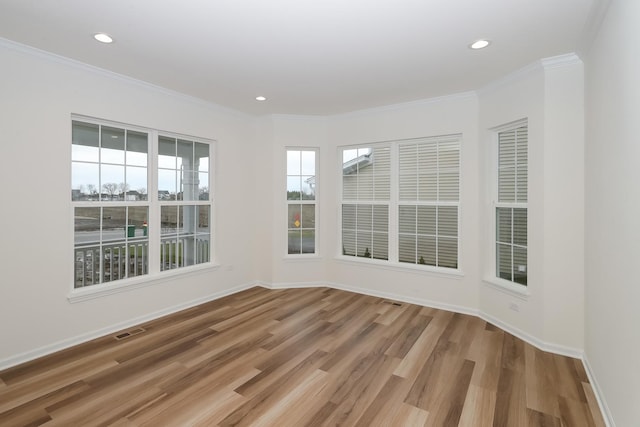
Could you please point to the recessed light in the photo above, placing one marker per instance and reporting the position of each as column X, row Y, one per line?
column 479, row 44
column 103, row 38
column 261, row 98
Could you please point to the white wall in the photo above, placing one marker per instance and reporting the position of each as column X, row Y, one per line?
column 455, row 114
column 38, row 95
column 612, row 237
column 550, row 95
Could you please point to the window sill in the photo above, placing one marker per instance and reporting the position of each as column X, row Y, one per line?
column 99, row 291
column 302, row 257
column 519, row 291
column 403, row 267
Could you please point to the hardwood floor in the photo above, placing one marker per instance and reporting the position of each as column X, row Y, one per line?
column 302, row 357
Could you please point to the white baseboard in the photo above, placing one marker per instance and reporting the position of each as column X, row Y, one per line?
column 82, row 338
column 542, row 345
column 602, row 403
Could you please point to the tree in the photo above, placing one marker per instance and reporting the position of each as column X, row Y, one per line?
column 110, row 188
column 91, row 189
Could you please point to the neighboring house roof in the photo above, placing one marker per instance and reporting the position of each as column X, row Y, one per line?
column 359, row 162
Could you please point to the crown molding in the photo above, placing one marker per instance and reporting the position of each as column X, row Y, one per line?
column 78, row 65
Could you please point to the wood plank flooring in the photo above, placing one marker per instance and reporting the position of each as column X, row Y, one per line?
column 302, row 357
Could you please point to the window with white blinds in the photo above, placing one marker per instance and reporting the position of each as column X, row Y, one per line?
column 408, row 189
column 366, row 191
column 511, row 205
column 429, row 189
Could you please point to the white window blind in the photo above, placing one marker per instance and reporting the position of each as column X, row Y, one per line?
column 429, row 190
column 511, row 207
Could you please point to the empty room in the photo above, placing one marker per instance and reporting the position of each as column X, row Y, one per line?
column 297, row 213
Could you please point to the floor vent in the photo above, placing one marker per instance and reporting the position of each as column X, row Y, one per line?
column 397, row 304
column 130, row 333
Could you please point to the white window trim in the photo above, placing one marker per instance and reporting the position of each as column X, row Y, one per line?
column 302, row 256
column 491, row 279
column 154, row 276
column 393, row 203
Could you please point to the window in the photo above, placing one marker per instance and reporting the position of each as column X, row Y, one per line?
column 113, row 236
column 366, row 190
column 408, row 189
column 429, row 182
column 301, row 201
column 511, row 205
column 183, row 192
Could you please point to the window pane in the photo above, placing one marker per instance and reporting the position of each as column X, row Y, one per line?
column 166, row 152
column 294, row 216
column 114, row 222
column 85, row 181
column 169, row 220
column 448, row 221
column 364, row 218
column 112, row 179
column 308, row 241
column 428, row 187
column 188, row 185
column 427, row 220
column 203, row 186
column 364, row 243
column 407, row 248
column 293, row 162
column 308, row 187
column 136, row 183
column 348, row 217
column 503, row 224
column 407, row 219
column 504, row 262
column 185, row 154
column 87, row 226
column 308, row 163
column 348, row 242
column 167, row 187
column 137, row 225
column 426, row 250
column 447, row 252
column 189, row 221
column 137, row 147
column 520, row 265
column 308, row 216
column 112, row 150
column 201, row 156
column 294, row 241
column 520, row 227
column 294, row 187
column 85, row 142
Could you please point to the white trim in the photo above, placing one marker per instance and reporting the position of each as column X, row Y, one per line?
column 404, row 267
column 82, row 338
column 125, row 285
column 542, row 345
column 560, row 60
column 63, row 60
column 602, row 403
column 404, row 105
column 510, row 288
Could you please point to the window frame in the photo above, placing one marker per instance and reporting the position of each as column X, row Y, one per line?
column 394, row 204
column 154, row 274
column 510, row 285
column 302, row 202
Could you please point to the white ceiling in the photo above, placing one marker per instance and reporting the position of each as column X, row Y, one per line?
column 308, row 57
